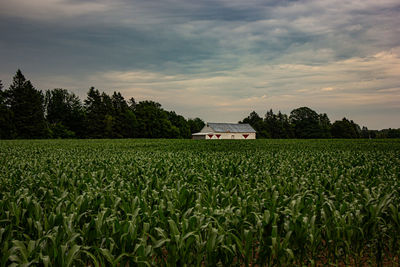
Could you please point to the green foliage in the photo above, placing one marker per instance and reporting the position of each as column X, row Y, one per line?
column 153, row 121
column 258, row 124
column 97, row 106
column 26, row 114
column 386, row 133
column 308, row 124
column 113, row 117
column 124, row 120
column 195, row 125
column 302, row 123
column 26, row 106
column 58, row 130
column 65, row 108
column 278, row 125
column 22, row 110
column 7, row 128
column 345, row 129
column 181, row 125
column 199, row 203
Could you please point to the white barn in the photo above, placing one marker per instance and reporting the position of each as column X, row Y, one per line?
column 226, row 131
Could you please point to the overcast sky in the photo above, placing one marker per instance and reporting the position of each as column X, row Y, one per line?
column 214, row 59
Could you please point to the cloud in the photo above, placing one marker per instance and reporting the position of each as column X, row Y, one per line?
column 355, row 83
column 50, row 9
column 218, row 59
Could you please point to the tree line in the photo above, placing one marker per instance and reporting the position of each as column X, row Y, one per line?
column 305, row 123
column 26, row 113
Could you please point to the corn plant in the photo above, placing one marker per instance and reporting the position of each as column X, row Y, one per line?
column 195, row 203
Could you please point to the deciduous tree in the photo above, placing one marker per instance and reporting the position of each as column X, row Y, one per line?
column 64, row 110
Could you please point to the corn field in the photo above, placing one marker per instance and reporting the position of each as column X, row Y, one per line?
column 199, row 203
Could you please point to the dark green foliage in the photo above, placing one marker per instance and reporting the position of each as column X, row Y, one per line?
column 64, row 113
column 306, row 123
column 258, row 124
column 387, row 133
column 181, row 124
column 278, row 125
column 26, row 106
column 272, row 126
column 302, row 123
column 345, row 129
column 95, row 114
column 58, row 130
column 124, row 123
column 365, row 133
column 111, row 117
column 325, row 126
column 7, row 129
column 99, row 111
column 25, row 113
column 196, row 125
column 153, row 121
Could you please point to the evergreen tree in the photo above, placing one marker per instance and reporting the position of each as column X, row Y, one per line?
column 365, row 133
column 26, row 105
column 258, row 124
column 95, row 116
column 7, row 130
column 325, row 126
column 285, row 129
column 125, row 122
column 278, row 125
column 107, row 115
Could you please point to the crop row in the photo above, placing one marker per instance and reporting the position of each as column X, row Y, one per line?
column 195, row 203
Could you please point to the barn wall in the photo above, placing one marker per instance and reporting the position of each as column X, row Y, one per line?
column 236, row 136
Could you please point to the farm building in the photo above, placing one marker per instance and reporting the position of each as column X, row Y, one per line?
column 226, row 131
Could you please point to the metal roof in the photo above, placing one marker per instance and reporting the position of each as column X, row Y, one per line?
column 231, row 127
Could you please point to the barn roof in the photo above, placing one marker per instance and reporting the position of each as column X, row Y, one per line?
column 231, row 127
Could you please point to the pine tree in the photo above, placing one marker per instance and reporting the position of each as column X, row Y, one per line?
column 26, row 105
column 94, row 114
column 7, row 130
column 125, row 122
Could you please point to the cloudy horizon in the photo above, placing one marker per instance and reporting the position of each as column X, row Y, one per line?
column 214, row 59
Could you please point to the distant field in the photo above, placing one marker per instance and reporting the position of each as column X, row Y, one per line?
column 176, row 202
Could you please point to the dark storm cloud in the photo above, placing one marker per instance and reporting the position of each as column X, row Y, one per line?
column 149, row 34
column 246, row 54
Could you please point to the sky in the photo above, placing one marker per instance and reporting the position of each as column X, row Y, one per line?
column 214, row 59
